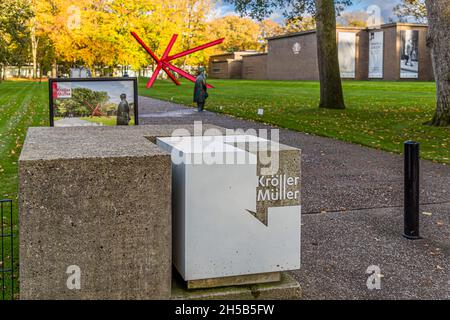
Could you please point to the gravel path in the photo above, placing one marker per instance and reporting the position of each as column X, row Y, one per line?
column 74, row 122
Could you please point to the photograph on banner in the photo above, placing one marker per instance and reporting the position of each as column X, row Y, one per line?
column 93, row 102
column 347, row 54
column 409, row 58
column 376, row 54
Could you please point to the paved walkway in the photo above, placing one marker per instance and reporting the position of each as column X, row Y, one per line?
column 74, row 122
column 352, row 205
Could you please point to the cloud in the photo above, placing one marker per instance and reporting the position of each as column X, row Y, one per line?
column 221, row 10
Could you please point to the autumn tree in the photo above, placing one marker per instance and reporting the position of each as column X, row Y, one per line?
column 300, row 23
column 268, row 28
column 324, row 11
column 193, row 14
column 45, row 55
column 13, row 32
column 41, row 46
column 239, row 33
column 415, row 9
column 353, row 19
column 439, row 42
column 55, row 25
column 96, row 33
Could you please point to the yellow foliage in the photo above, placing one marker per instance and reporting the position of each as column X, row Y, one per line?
column 239, row 33
column 97, row 32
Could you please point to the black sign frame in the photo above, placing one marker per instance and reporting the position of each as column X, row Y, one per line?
column 51, row 81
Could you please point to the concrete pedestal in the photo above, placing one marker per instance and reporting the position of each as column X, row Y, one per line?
column 95, row 203
column 285, row 289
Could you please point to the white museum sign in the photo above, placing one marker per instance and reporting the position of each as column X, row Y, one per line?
column 230, row 218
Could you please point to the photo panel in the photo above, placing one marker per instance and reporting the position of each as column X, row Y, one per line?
column 93, row 102
column 347, row 54
column 409, row 54
column 376, row 54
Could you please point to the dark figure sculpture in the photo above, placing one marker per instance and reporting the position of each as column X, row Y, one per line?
column 123, row 111
column 200, row 90
column 409, row 52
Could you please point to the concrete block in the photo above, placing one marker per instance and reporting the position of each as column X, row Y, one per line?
column 98, row 199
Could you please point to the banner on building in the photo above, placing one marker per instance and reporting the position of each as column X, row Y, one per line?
column 376, row 54
column 409, row 54
column 347, row 54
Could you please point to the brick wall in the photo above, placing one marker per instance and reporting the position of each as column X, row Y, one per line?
column 284, row 64
column 294, row 57
column 254, row 67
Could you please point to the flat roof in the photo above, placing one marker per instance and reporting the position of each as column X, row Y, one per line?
column 387, row 25
column 392, row 24
column 256, row 54
column 235, row 52
column 293, row 34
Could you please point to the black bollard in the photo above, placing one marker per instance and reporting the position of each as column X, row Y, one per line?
column 412, row 169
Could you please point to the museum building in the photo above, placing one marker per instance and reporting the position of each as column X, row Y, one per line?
column 394, row 51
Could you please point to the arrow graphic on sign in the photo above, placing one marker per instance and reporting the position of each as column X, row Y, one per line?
column 263, row 217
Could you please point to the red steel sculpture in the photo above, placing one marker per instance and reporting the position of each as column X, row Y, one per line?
column 164, row 62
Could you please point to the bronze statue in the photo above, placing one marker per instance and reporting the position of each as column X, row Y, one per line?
column 200, row 90
column 123, row 111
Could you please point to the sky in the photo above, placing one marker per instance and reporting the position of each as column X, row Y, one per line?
column 386, row 8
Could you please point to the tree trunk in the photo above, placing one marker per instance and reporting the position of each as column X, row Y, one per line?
column 34, row 46
column 439, row 42
column 54, row 70
column 40, row 73
column 331, row 95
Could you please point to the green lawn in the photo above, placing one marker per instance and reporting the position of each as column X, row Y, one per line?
column 22, row 104
column 380, row 115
